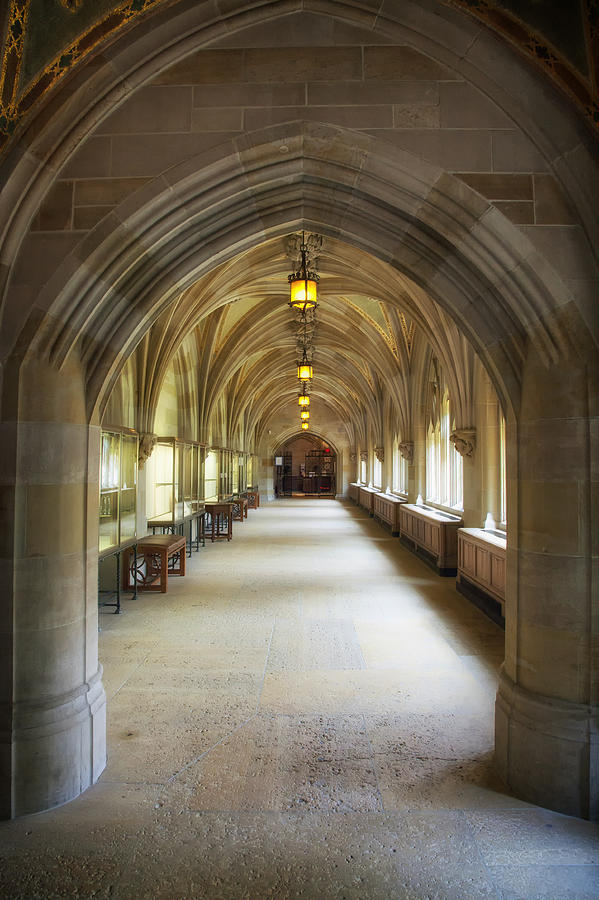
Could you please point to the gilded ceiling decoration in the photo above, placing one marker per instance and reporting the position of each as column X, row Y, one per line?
column 386, row 335
column 19, row 94
column 559, row 36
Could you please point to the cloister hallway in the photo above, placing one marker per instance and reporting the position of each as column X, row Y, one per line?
column 309, row 712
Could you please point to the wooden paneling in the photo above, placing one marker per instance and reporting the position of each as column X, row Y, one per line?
column 433, row 531
column 386, row 509
column 366, row 499
column 481, row 560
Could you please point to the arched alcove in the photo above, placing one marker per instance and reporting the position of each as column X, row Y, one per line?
column 76, row 307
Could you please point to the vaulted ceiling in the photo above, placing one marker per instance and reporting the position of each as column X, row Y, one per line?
column 370, row 323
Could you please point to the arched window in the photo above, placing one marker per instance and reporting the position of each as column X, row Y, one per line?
column 363, row 471
column 377, row 474
column 400, row 470
column 444, row 467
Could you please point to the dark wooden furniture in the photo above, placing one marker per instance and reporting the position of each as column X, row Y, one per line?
column 165, row 524
column 219, row 521
column 481, row 569
column 386, row 509
column 253, row 499
column 240, row 508
column 432, row 534
column 366, row 498
column 157, row 557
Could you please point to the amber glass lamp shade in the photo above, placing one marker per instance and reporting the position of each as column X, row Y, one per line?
column 305, row 372
column 305, row 426
column 305, row 414
column 302, row 292
column 303, row 400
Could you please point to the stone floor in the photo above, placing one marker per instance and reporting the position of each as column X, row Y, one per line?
column 308, row 713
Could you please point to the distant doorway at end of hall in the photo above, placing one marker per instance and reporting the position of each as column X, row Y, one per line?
column 305, row 466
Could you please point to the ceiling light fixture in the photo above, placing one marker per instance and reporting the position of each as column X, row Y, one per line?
column 302, row 284
column 305, row 372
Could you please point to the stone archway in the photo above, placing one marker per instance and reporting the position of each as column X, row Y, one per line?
column 65, row 339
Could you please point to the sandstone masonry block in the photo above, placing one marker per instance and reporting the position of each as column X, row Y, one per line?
column 152, row 109
column 383, row 63
column 56, row 211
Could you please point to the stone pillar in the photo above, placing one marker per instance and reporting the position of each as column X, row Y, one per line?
column 417, row 468
column 53, row 708
column 488, row 449
column 465, row 442
column 547, row 717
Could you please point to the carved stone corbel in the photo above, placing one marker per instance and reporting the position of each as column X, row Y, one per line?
column 147, row 442
column 363, row 455
column 464, row 440
column 353, row 456
column 379, row 452
column 406, row 448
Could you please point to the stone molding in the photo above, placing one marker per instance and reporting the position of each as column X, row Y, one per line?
column 363, row 455
column 353, row 456
column 464, row 440
column 147, row 442
column 79, row 717
column 379, row 452
column 562, row 737
column 406, row 448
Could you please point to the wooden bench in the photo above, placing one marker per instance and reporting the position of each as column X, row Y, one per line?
column 220, row 516
column 157, row 557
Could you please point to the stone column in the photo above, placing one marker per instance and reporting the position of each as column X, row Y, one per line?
column 488, row 450
column 547, row 718
column 53, row 723
column 465, row 442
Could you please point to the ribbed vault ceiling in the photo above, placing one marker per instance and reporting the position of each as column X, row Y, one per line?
column 371, row 320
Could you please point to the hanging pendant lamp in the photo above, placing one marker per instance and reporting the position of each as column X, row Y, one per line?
column 305, row 371
column 302, row 284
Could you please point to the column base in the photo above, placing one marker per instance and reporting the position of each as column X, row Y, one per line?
column 59, row 748
column 547, row 750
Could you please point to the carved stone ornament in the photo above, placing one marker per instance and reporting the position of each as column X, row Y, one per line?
column 363, row 455
column 147, row 442
column 406, row 448
column 353, row 456
column 464, row 440
column 379, row 452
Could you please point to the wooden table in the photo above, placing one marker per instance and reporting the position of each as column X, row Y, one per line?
column 157, row 557
column 221, row 521
column 240, row 508
column 169, row 525
column 253, row 499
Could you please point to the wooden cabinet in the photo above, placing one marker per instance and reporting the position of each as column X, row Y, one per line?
column 481, row 563
column 432, row 534
column 386, row 509
column 366, row 498
column 354, row 492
